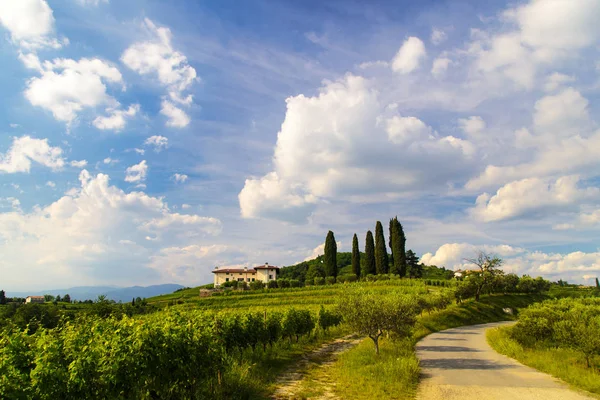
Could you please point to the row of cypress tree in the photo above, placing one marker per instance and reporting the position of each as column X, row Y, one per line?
column 376, row 259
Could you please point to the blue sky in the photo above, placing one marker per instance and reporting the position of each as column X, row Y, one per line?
column 143, row 143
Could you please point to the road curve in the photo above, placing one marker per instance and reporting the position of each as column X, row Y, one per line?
column 459, row 364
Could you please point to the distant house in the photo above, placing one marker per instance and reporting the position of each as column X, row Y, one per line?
column 263, row 273
column 35, row 299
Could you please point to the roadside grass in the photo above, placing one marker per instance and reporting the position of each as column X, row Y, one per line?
column 564, row 364
column 394, row 374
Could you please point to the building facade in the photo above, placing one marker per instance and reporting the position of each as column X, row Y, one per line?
column 35, row 299
column 262, row 273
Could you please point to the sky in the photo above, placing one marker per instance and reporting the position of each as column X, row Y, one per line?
column 146, row 142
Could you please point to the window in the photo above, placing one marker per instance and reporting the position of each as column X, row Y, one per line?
column 248, row 279
column 252, row 279
column 270, row 276
column 240, row 279
column 240, row 274
column 226, row 279
column 226, row 273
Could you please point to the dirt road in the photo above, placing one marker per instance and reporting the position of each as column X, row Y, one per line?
column 459, row 364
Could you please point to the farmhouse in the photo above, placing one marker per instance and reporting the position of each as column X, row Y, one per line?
column 35, row 299
column 263, row 273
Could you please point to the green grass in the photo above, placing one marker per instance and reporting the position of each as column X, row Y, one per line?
column 394, row 374
column 564, row 364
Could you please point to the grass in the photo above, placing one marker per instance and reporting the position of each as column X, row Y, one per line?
column 564, row 364
column 394, row 374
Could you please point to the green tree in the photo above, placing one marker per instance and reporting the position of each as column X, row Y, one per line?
column 330, row 255
column 489, row 267
column 373, row 314
column 398, row 246
column 415, row 270
column 597, row 284
column 3, row 295
column 381, row 256
column 67, row 298
column 315, row 270
column 356, row 256
column 369, row 267
column 48, row 297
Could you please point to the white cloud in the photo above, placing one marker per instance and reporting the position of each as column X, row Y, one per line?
column 78, row 164
column 94, row 3
column 51, row 184
column 179, row 178
column 116, row 120
column 10, row 202
column 320, row 250
column 556, row 80
column 110, row 161
column 30, row 23
column 79, row 239
column 137, row 172
column 409, row 56
column 438, row 36
column 186, row 206
column 563, row 113
column 440, row 66
column 140, row 151
column 26, row 149
column 157, row 57
column 177, row 118
column 531, row 197
column 472, row 126
column 572, row 266
column 345, row 132
column 66, row 87
column 158, row 142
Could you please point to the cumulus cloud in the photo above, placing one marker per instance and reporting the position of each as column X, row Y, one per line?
column 320, row 250
column 179, row 178
column 25, row 150
column 345, row 142
column 158, row 142
column 438, row 36
column 556, row 80
column 531, row 197
column 572, row 266
column 472, row 126
column 177, row 118
column 440, row 66
column 78, row 164
column 96, row 234
column 30, row 23
column 66, row 87
column 116, row 119
column 94, row 3
column 158, row 58
column 136, row 173
column 409, row 56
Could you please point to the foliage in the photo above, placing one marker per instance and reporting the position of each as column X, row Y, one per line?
column 283, row 283
column 373, row 315
column 257, row 285
column 415, row 270
column 272, row 284
column 316, row 270
column 434, row 272
column 327, row 319
column 330, row 256
column 489, row 267
column 398, row 246
column 2, row 297
column 369, row 267
column 356, row 257
column 381, row 256
column 319, row 281
column 330, row 280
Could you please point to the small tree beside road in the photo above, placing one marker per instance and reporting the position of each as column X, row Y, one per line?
column 488, row 268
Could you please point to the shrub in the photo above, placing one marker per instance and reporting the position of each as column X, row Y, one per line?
column 272, row 285
column 319, row 281
column 257, row 285
column 330, row 280
column 328, row 318
column 283, row 283
column 294, row 283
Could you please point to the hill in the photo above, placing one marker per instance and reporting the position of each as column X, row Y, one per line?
column 112, row 293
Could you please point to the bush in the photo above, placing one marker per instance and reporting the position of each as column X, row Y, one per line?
column 272, row 285
column 319, row 281
column 283, row 283
column 328, row 318
column 294, row 283
column 330, row 280
column 257, row 285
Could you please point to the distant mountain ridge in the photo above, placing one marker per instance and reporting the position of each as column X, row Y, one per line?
column 111, row 292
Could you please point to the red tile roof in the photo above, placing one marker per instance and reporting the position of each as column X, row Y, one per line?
column 266, row 267
column 249, row 270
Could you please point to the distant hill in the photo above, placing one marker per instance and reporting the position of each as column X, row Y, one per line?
column 111, row 292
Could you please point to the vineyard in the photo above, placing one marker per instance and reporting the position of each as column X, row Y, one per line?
column 180, row 353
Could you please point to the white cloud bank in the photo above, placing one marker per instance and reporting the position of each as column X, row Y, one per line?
column 30, row 23
column 25, row 150
column 137, row 173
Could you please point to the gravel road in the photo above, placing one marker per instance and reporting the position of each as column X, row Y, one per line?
column 459, row 364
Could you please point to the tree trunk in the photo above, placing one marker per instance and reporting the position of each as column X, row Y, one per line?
column 375, row 340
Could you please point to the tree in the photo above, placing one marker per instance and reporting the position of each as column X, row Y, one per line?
column 58, row 298
column 373, row 314
column 488, row 267
column 381, row 256
column 330, row 255
column 133, row 301
column 415, row 269
column 398, row 246
column 597, row 284
column 67, row 298
column 3, row 297
column 369, row 255
column 315, row 270
column 48, row 297
column 356, row 256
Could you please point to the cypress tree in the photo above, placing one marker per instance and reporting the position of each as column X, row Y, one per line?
column 370, row 255
column 398, row 245
column 381, row 257
column 355, row 256
column 330, row 255
column 597, row 284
